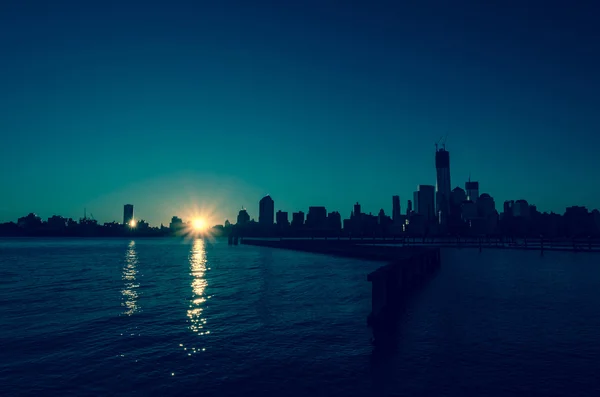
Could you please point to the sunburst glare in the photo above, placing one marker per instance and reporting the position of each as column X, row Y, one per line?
column 198, row 221
column 199, row 224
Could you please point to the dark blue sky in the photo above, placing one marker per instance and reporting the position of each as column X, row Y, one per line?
column 173, row 105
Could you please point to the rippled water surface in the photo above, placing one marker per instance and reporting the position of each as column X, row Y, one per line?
column 174, row 317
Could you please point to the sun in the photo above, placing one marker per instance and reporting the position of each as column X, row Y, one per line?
column 199, row 224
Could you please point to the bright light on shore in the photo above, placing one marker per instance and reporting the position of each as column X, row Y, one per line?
column 132, row 223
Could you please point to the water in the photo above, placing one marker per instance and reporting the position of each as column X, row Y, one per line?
column 173, row 317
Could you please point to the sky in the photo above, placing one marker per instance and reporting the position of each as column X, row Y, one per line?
column 180, row 107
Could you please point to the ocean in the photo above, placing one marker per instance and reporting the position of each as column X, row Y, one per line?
column 193, row 317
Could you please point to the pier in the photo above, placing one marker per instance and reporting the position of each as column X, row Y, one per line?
column 406, row 268
column 581, row 244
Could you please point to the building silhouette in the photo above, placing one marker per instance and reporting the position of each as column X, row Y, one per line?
column 298, row 220
column 176, row 224
column 442, row 185
column 334, row 221
column 596, row 219
column 486, row 209
column 520, row 209
column 128, row 214
column 424, row 199
column 385, row 222
column 409, row 208
column 57, row 223
column 457, row 197
column 356, row 211
column 508, row 206
column 243, row 218
column 266, row 211
column 396, row 209
column 362, row 224
column 316, row 218
column 282, row 219
column 578, row 221
column 31, row 221
column 472, row 189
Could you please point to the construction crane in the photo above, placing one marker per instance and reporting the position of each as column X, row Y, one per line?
column 437, row 143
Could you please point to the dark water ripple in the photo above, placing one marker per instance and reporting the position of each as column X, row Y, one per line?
column 171, row 317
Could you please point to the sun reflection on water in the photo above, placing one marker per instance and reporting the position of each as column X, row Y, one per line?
column 197, row 302
column 129, row 292
column 198, row 272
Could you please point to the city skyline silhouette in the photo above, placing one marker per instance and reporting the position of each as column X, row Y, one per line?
column 434, row 211
column 198, row 209
column 195, row 105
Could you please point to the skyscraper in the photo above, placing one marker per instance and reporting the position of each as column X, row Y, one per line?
column 297, row 219
column 266, row 211
column 424, row 199
column 316, row 218
column 127, row 214
column 282, row 218
column 357, row 209
column 396, row 208
column 472, row 189
column 508, row 208
column 442, row 185
column 243, row 217
column 381, row 217
column 334, row 221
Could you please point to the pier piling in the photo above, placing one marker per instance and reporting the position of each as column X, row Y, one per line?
column 391, row 284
